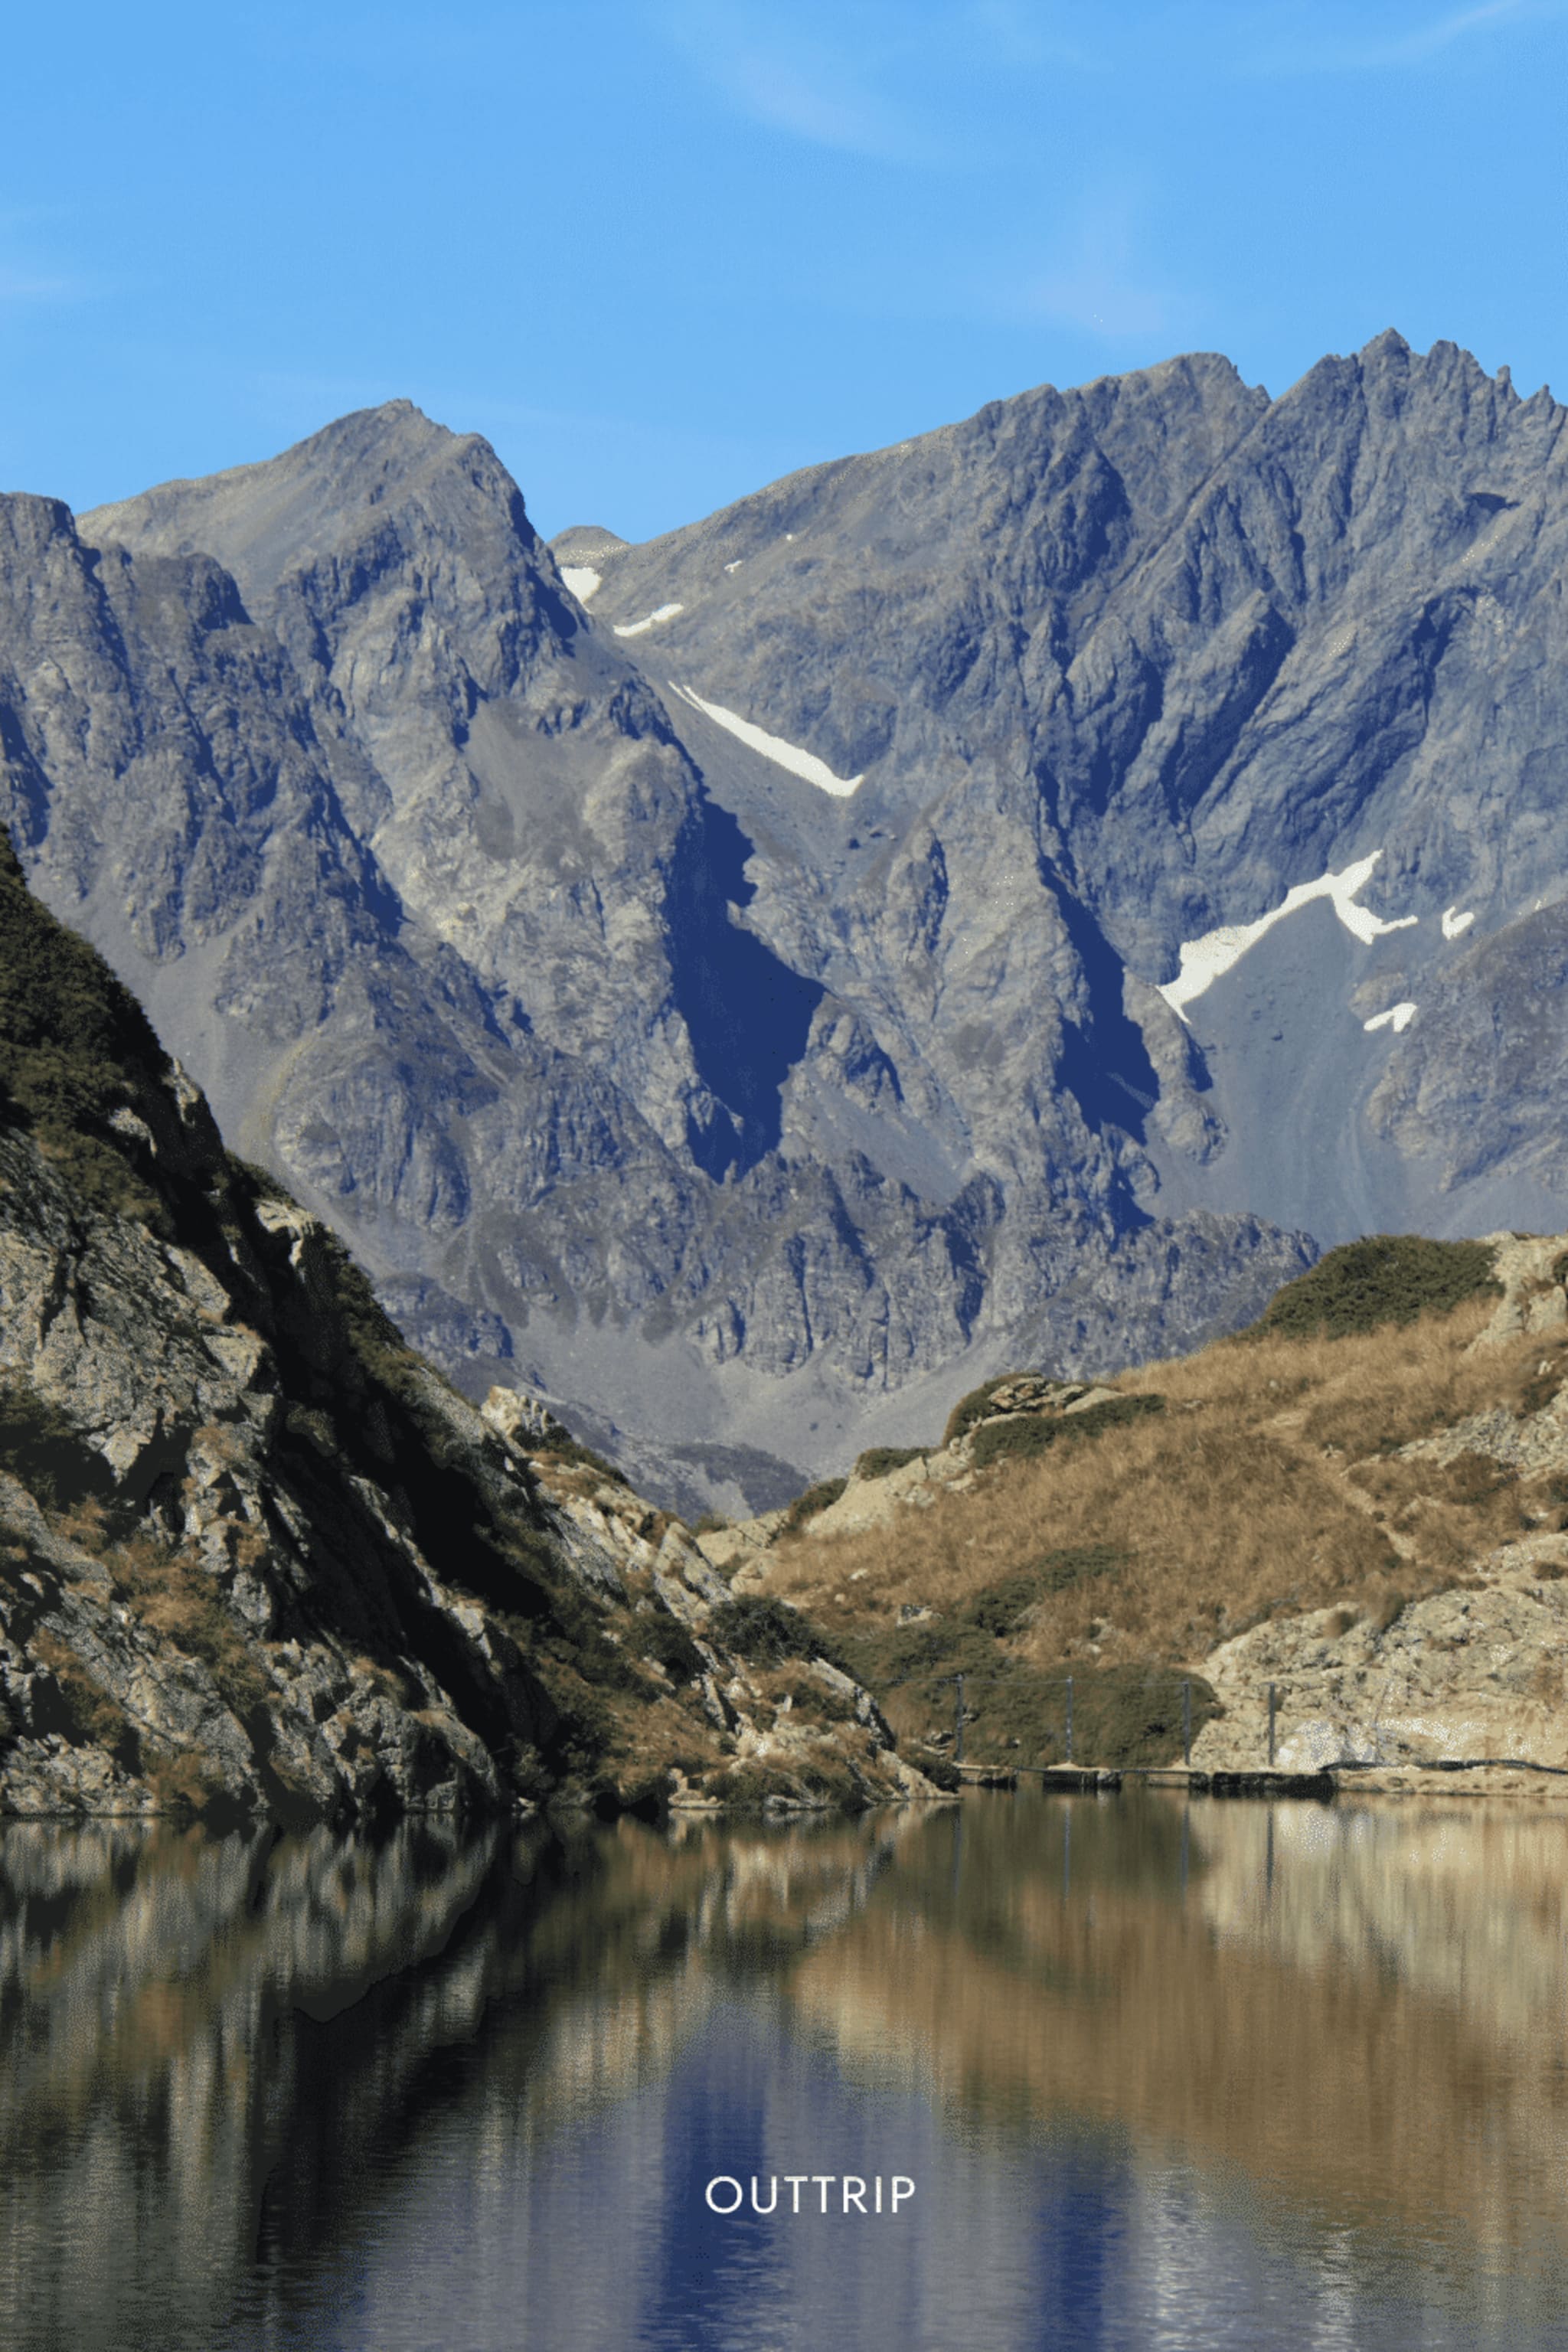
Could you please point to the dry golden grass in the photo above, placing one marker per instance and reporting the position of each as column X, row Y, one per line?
column 1263, row 1488
column 1214, row 2025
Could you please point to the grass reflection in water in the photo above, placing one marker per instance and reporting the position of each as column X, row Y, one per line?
column 240, row 2078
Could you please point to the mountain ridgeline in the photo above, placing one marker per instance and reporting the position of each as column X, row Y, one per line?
column 736, row 984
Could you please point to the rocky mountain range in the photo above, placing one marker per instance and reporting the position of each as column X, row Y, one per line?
column 1004, row 898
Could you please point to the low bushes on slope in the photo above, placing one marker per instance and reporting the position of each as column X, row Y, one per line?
column 41, row 1449
column 972, row 1407
column 1029, row 1436
column 879, row 1461
column 815, row 1498
column 766, row 1631
column 76, row 1048
column 1015, row 1707
column 1383, row 1278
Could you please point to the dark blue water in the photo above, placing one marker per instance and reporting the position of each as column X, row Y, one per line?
column 1158, row 2078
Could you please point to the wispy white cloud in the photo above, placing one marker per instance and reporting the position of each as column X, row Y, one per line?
column 805, row 80
column 1323, row 50
column 1021, row 33
column 1100, row 277
column 35, row 286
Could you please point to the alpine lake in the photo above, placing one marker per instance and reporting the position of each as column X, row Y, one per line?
column 1136, row 2069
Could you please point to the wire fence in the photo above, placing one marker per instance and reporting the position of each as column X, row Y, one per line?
column 1159, row 1687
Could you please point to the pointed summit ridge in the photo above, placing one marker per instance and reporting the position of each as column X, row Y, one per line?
column 260, row 520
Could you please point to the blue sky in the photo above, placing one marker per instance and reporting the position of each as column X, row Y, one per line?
column 661, row 251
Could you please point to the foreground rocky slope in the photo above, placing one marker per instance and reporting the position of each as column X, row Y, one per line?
column 1363, row 1501
column 255, row 1553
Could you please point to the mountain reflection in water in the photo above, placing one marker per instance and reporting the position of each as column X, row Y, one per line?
column 1231, row 2076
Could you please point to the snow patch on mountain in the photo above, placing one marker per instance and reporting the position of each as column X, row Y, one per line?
column 1203, row 961
column 1398, row 1017
column 582, row 579
column 774, row 747
column 636, row 628
column 1454, row 923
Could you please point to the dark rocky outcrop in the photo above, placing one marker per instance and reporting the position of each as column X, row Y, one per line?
column 255, row 1554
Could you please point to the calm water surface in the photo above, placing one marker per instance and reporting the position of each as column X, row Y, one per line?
column 1232, row 2075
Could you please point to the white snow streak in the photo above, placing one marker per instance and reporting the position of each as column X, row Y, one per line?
column 1454, row 923
column 1399, row 1016
column 582, row 579
column 774, row 747
column 736, row 565
column 636, row 628
column 1203, row 961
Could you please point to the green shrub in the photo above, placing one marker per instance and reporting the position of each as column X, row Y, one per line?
column 665, row 1639
column 1002, row 1607
column 891, row 1657
column 1034, row 1434
column 1125, row 1714
column 75, row 1047
column 568, row 1449
column 812, row 1701
column 1385, row 1278
column 45, row 1454
column 815, row 1498
column 878, row 1460
column 766, row 1632
column 972, row 1407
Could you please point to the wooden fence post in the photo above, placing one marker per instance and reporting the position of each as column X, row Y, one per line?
column 1273, row 1703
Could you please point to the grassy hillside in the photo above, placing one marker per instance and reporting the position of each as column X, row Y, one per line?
column 1269, row 1482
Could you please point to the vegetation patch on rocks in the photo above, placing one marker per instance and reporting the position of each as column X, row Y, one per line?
column 1383, row 1278
column 815, row 1498
column 879, row 1461
column 1029, row 1436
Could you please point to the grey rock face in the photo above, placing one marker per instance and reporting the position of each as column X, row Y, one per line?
column 1138, row 661
column 248, row 1578
column 743, row 1109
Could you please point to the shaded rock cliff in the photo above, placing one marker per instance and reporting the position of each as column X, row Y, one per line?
column 256, row 1553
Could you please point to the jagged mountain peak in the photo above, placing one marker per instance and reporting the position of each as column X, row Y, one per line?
column 582, row 540
column 389, row 467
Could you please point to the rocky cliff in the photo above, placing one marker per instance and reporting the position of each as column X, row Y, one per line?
column 255, row 1554
column 979, row 902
